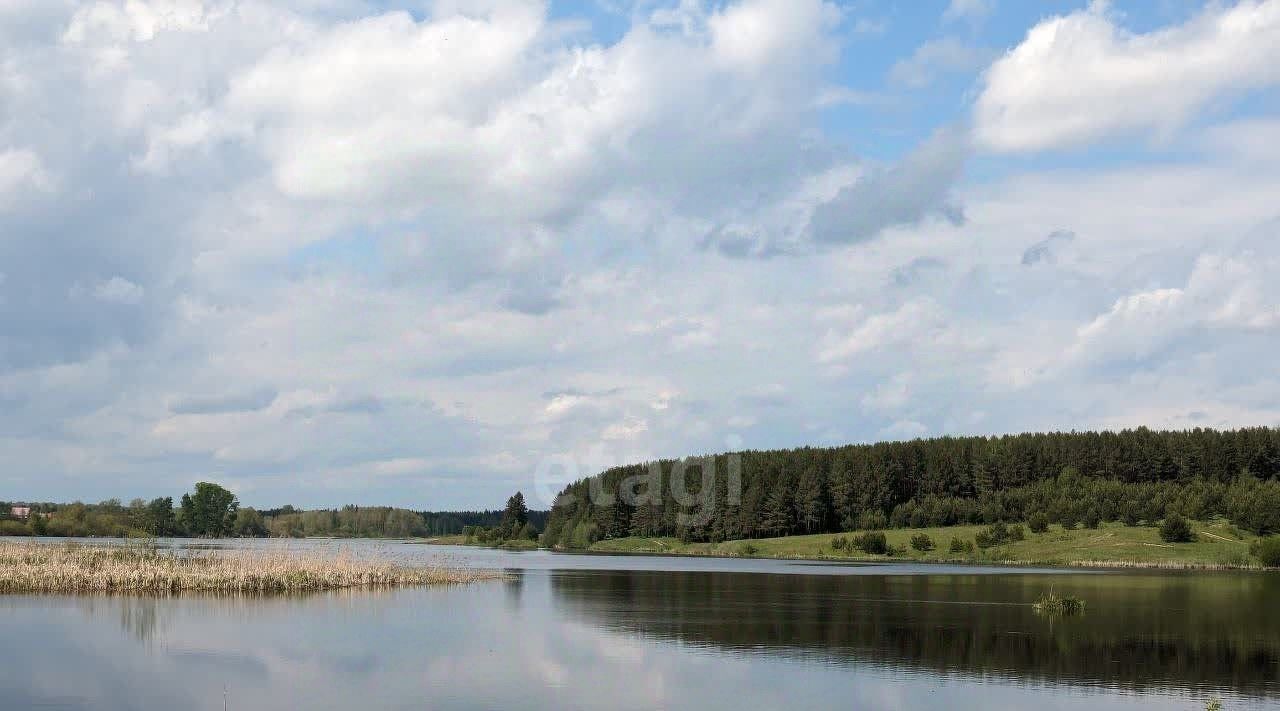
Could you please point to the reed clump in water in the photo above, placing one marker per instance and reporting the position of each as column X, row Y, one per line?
column 1059, row 605
column 43, row 568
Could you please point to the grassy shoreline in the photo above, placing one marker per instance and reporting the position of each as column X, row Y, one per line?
column 460, row 540
column 1217, row 547
column 28, row 567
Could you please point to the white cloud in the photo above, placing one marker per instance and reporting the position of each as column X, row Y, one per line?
column 912, row 322
column 140, row 21
column 755, row 33
column 627, row 429
column 505, row 122
column 21, row 170
column 903, row 430
column 1134, row 326
column 1222, row 292
column 1081, row 77
column 1254, row 141
column 118, row 290
column 890, row 395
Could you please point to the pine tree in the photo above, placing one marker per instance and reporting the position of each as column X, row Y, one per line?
column 810, row 501
column 983, row 482
column 515, row 515
column 644, row 520
column 775, row 516
column 840, row 486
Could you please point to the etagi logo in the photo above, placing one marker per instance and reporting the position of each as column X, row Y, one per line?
column 693, row 482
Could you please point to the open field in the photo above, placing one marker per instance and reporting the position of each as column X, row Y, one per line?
column 1217, row 545
column 51, row 568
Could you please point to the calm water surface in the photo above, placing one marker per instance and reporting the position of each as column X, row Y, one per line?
column 579, row 631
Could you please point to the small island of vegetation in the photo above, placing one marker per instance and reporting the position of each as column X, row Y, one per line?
column 28, row 567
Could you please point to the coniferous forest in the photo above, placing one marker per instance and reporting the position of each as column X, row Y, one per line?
column 1136, row 476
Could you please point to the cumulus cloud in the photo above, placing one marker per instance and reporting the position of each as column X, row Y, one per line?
column 20, row 170
column 890, row 395
column 905, row 194
column 913, row 321
column 1082, row 77
column 118, row 290
column 505, row 121
column 1222, row 293
column 903, row 430
column 757, row 32
column 332, row 251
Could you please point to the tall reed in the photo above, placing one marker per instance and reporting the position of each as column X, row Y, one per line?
column 27, row 567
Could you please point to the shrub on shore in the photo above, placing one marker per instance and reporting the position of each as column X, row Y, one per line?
column 998, row 534
column 1266, row 550
column 13, row 528
column 28, row 567
column 922, row 542
column 871, row 542
column 959, row 546
column 1175, row 529
column 1038, row 523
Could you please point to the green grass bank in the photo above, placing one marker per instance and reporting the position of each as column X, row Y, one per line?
column 1217, row 545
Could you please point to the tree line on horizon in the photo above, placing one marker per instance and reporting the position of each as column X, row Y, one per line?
column 1137, row 476
column 212, row 511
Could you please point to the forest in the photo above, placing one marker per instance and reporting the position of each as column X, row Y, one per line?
column 212, row 511
column 1137, row 476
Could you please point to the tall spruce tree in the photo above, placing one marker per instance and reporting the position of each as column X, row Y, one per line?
column 515, row 515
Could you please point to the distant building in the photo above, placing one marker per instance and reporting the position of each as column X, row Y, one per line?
column 19, row 511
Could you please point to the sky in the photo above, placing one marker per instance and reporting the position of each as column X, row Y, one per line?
column 428, row 253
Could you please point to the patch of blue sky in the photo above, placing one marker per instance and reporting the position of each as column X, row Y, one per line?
column 350, row 251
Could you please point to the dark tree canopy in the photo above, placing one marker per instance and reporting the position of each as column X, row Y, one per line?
column 158, row 518
column 516, row 514
column 210, row 511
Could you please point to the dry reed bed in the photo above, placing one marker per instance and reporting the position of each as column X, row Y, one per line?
column 1164, row 565
column 49, row 568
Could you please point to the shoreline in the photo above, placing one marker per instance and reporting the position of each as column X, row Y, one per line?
column 1084, row 564
column 1218, row 547
column 1095, row 566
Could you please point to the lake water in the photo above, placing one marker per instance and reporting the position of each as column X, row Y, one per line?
column 585, row 631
